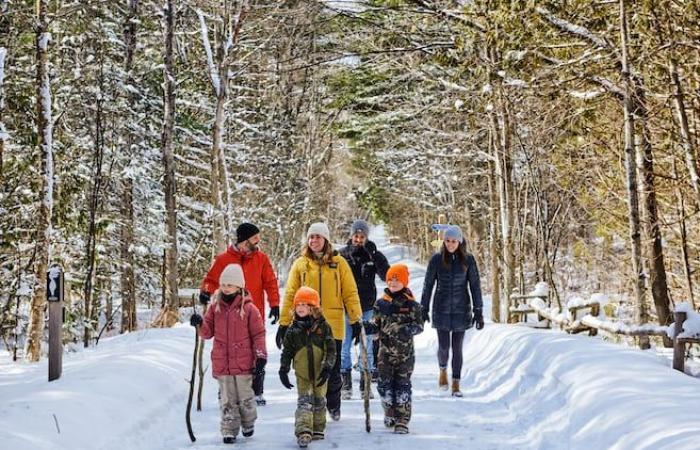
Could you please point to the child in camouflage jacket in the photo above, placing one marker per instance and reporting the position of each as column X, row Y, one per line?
column 397, row 318
column 310, row 347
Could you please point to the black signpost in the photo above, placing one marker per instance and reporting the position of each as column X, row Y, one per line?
column 54, row 295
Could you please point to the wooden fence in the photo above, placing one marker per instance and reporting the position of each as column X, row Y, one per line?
column 570, row 320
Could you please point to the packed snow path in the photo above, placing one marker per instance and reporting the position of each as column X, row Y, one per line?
column 523, row 389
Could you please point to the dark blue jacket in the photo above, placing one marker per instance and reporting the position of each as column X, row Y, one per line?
column 452, row 303
column 366, row 263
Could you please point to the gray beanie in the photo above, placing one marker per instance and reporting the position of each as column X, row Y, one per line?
column 454, row 232
column 359, row 226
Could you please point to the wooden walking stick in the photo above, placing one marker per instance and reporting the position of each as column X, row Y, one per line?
column 192, row 376
column 367, row 378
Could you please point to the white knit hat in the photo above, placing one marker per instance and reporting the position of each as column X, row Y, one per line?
column 232, row 274
column 319, row 228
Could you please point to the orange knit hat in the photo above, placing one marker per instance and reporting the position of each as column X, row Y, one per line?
column 307, row 296
column 398, row 271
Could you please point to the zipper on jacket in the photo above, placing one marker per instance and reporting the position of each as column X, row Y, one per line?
column 228, row 369
column 320, row 284
column 310, row 357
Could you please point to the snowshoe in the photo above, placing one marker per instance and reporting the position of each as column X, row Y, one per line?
column 303, row 440
column 229, row 439
column 248, row 431
column 318, row 435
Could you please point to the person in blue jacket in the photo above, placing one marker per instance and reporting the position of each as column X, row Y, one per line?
column 457, row 303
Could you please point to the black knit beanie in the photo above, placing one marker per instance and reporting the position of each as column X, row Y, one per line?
column 245, row 231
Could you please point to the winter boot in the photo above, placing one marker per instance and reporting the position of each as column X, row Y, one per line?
column 260, row 400
column 401, row 428
column 455, row 388
column 229, row 439
column 335, row 414
column 303, row 440
column 362, row 388
column 318, row 435
column 442, row 380
column 346, row 389
column 248, row 431
column 389, row 421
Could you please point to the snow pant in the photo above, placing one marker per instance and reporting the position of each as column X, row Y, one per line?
column 346, row 352
column 236, row 403
column 335, row 382
column 258, row 383
column 394, row 384
column 454, row 339
column 310, row 415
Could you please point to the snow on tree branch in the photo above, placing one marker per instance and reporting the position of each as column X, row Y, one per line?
column 213, row 73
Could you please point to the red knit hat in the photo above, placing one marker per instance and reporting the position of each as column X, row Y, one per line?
column 307, row 296
column 398, row 271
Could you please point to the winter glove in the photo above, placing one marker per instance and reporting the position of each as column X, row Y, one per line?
column 284, row 377
column 426, row 315
column 369, row 327
column 195, row 320
column 356, row 329
column 478, row 319
column 259, row 367
column 204, row 297
column 323, row 376
column 274, row 314
column 279, row 337
column 386, row 308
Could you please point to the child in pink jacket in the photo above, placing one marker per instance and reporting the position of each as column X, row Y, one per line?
column 238, row 351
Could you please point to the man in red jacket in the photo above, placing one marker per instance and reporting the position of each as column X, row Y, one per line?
column 259, row 276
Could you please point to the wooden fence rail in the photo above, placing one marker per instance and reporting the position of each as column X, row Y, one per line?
column 519, row 306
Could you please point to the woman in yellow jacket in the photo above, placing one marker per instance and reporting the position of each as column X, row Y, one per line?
column 323, row 269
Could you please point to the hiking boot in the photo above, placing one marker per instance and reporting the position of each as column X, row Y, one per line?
column 335, row 414
column 389, row 421
column 442, row 379
column 346, row 389
column 318, row 435
column 455, row 388
column 304, row 439
column 248, row 431
column 401, row 428
column 229, row 439
column 362, row 388
column 260, row 400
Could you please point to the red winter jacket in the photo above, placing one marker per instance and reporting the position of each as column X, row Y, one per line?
column 257, row 271
column 239, row 335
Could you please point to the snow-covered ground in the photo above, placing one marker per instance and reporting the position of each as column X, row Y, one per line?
column 524, row 389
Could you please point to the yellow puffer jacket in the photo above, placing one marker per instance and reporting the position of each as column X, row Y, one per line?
column 336, row 286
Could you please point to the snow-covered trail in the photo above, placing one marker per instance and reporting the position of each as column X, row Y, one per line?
column 523, row 389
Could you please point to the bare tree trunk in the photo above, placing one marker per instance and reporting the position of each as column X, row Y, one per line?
column 657, row 269
column 686, row 138
column 3, row 132
column 680, row 208
column 44, row 124
column 169, row 316
column 92, row 304
column 494, row 247
column 128, row 282
column 630, row 163
column 505, row 191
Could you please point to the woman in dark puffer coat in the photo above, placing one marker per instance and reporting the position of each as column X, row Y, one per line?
column 457, row 302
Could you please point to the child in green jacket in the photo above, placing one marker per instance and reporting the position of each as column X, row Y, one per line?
column 309, row 345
